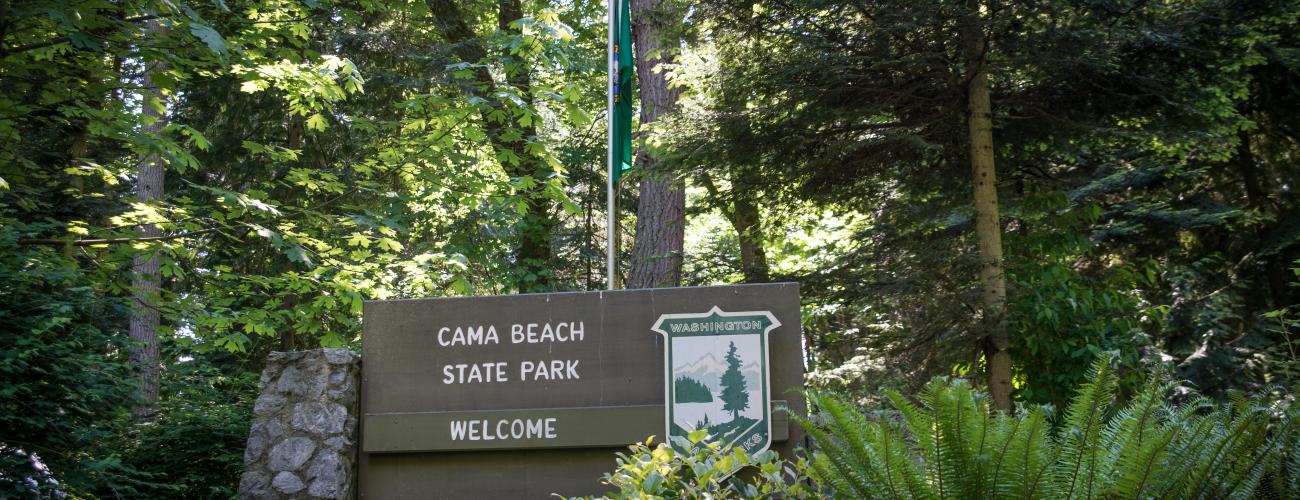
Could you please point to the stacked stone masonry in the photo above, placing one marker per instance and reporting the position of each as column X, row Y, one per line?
column 303, row 441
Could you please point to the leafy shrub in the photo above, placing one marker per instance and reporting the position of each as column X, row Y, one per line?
column 63, row 373
column 704, row 471
column 192, row 446
column 951, row 446
column 1062, row 314
column 66, row 391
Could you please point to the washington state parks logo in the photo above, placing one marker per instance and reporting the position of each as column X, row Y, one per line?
column 717, row 376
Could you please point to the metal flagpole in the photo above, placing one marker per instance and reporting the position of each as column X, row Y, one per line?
column 611, row 240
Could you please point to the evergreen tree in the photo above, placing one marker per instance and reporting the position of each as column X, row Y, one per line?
column 734, row 397
column 988, row 226
column 883, row 105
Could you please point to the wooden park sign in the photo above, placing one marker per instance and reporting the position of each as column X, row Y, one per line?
column 523, row 396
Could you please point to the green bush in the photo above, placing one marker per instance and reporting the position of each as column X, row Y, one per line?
column 64, row 379
column 192, row 446
column 66, row 391
column 951, row 446
column 704, row 471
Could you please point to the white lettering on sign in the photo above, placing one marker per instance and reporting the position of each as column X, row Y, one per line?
column 469, row 335
column 517, row 428
column 463, row 373
column 520, row 334
column 555, row 369
column 534, row 333
column 715, row 326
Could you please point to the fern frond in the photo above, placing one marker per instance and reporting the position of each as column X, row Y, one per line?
column 920, row 426
column 1003, row 435
column 1077, row 472
column 1284, row 471
column 853, row 429
column 956, row 419
column 949, row 445
column 1232, row 439
column 836, row 462
column 1137, row 471
column 826, row 472
column 1187, row 448
column 1034, row 452
column 1136, row 442
column 1245, row 460
column 898, row 463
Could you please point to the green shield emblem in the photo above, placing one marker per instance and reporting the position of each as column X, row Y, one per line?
column 716, row 376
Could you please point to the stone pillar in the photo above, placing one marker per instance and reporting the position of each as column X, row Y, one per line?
column 303, row 443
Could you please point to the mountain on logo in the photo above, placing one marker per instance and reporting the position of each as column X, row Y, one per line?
column 708, row 369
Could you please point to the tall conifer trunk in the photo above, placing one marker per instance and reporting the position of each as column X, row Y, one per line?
column 988, row 228
column 739, row 207
column 661, row 210
column 749, row 232
column 741, row 211
column 146, row 280
column 1275, row 272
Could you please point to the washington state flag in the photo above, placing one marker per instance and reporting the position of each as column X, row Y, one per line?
column 620, row 88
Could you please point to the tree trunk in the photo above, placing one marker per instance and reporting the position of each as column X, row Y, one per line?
column 289, row 334
column 93, row 75
column 988, row 229
column 661, row 209
column 749, row 231
column 147, row 281
column 745, row 218
column 1275, row 272
column 738, row 206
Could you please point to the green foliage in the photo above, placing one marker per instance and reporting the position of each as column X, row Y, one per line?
column 951, row 446
column 1285, row 354
column 66, row 426
column 322, row 153
column 704, row 470
column 63, row 372
column 317, row 154
column 1282, row 478
column 277, row 221
column 1063, row 315
column 192, row 446
column 1283, row 325
column 1150, row 216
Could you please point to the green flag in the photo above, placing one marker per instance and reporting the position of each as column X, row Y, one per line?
column 621, row 89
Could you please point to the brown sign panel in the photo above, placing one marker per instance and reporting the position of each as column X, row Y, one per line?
column 522, row 396
column 597, row 427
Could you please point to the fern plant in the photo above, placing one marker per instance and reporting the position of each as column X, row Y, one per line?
column 949, row 445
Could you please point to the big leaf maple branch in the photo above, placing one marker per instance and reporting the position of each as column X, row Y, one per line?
column 111, row 241
column 62, row 39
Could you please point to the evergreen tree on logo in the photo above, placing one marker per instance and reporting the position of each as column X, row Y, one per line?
column 734, row 397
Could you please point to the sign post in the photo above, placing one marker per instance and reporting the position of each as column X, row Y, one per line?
column 527, row 395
